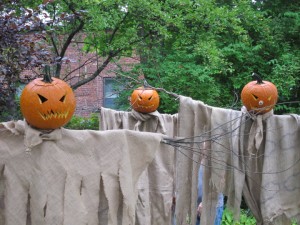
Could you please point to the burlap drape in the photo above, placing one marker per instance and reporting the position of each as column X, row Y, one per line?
column 257, row 157
column 90, row 177
column 156, row 184
column 68, row 177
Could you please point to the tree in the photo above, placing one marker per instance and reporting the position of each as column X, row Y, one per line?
column 203, row 49
column 108, row 29
column 18, row 51
column 216, row 45
column 284, row 49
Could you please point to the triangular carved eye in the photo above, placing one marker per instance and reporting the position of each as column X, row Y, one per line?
column 150, row 98
column 140, row 98
column 42, row 99
column 255, row 97
column 63, row 99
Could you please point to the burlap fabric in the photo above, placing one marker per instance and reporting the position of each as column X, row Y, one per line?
column 68, row 177
column 156, row 184
column 257, row 157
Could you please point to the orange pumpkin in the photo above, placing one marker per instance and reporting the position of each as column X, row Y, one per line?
column 47, row 103
column 144, row 100
column 259, row 96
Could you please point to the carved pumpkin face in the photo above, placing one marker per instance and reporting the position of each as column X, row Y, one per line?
column 259, row 96
column 144, row 100
column 47, row 104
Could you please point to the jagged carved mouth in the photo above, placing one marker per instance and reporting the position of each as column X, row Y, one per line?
column 145, row 106
column 56, row 115
column 262, row 108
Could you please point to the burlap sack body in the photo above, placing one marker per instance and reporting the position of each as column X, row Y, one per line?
column 90, row 177
column 156, row 184
column 255, row 157
column 70, row 177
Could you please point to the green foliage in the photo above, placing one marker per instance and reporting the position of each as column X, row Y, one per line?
column 84, row 123
column 212, row 48
column 180, row 73
column 203, row 49
column 120, row 26
column 245, row 218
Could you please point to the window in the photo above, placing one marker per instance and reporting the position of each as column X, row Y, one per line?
column 110, row 94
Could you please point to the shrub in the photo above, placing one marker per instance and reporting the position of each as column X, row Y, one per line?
column 246, row 218
column 84, row 123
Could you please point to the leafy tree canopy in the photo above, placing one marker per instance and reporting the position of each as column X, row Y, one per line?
column 203, row 49
column 213, row 49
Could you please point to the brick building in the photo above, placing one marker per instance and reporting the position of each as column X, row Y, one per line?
column 91, row 96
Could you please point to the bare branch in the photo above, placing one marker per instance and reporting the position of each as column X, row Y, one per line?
column 96, row 73
column 85, row 63
column 69, row 39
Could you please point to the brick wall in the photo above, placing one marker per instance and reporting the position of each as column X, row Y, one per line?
column 89, row 97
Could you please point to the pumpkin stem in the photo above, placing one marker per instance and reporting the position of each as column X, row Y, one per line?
column 256, row 77
column 146, row 85
column 47, row 75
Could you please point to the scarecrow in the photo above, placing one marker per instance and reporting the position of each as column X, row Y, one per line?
column 52, row 175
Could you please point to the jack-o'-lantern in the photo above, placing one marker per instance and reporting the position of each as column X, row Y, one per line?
column 144, row 100
column 47, row 103
column 259, row 96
